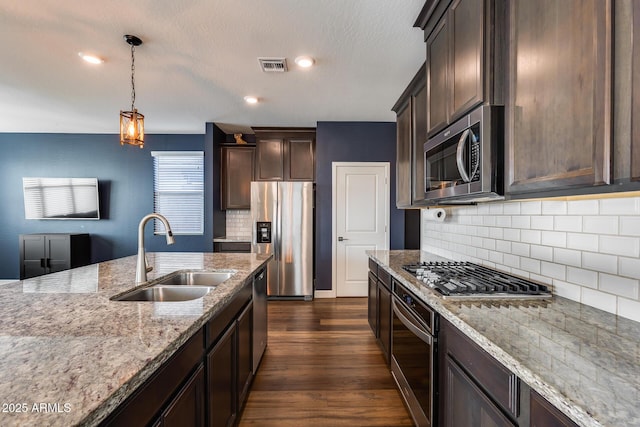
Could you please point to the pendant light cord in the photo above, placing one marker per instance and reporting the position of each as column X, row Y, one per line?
column 133, row 80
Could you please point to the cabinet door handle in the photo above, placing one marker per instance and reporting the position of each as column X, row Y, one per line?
column 340, row 239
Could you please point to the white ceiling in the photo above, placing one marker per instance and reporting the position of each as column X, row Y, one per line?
column 198, row 61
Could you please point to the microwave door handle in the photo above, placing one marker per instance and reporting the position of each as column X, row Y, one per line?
column 459, row 152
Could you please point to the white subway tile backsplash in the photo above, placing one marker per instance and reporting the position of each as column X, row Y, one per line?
column 511, row 208
column 620, row 206
column 600, row 224
column 629, row 267
column 496, row 208
column 630, row 225
column 511, row 234
column 544, row 253
column 629, row 309
column 582, row 277
column 496, row 233
column 620, row 286
column 600, row 262
column 531, row 207
column 531, row 236
column 530, row 265
column 496, row 257
column 521, row 221
column 554, row 238
column 586, row 250
column 521, row 249
column 554, row 207
column 584, row 242
column 539, row 222
column 583, row 207
column 597, row 299
column 503, row 221
column 511, row 261
column 489, row 221
column 567, row 290
column 626, row 246
column 555, row 271
column 567, row 257
column 567, row 223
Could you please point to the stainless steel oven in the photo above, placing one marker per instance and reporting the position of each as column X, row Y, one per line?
column 414, row 354
column 463, row 163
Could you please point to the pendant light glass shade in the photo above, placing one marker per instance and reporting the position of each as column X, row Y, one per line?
column 132, row 122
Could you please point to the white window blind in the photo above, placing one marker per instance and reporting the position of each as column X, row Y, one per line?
column 178, row 190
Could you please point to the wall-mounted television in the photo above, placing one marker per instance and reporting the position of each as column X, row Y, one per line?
column 61, row 198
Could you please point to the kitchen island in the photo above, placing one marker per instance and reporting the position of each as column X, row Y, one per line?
column 69, row 355
column 582, row 360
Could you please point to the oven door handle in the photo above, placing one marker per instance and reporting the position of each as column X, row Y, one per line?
column 405, row 318
column 459, row 152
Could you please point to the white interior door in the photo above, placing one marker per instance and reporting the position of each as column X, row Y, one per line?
column 360, row 222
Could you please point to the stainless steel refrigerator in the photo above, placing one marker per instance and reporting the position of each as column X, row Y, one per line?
column 282, row 218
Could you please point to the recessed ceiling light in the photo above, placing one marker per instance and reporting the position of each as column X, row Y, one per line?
column 91, row 59
column 304, row 61
column 251, row 99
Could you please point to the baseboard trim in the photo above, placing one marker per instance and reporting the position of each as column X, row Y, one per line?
column 331, row 293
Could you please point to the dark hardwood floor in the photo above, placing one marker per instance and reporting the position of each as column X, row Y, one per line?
column 323, row 367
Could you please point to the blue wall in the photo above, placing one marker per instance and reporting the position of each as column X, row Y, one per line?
column 125, row 176
column 350, row 142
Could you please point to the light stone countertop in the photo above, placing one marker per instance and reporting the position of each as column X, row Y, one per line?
column 583, row 360
column 65, row 344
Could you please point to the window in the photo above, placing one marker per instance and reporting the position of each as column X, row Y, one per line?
column 178, row 190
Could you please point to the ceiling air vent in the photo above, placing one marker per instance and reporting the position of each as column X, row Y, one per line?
column 273, row 65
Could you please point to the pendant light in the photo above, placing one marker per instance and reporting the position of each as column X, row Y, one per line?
column 132, row 122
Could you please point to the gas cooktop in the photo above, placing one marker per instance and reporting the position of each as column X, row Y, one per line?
column 460, row 280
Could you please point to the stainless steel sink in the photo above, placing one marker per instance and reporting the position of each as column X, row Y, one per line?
column 196, row 278
column 183, row 286
column 161, row 293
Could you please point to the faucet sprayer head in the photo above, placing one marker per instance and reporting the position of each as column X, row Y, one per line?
column 170, row 239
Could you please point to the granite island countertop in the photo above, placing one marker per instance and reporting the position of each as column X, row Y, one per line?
column 69, row 355
column 583, row 360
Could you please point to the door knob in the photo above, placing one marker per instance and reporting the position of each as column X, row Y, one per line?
column 340, row 239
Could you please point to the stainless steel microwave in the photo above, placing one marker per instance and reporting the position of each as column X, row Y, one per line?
column 464, row 163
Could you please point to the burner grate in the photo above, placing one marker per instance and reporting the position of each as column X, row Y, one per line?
column 454, row 278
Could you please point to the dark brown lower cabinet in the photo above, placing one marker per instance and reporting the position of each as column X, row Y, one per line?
column 187, row 408
column 465, row 403
column 245, row 359
column 544, row 414
column 221, row 380
column 384, row 320
column 372, row 303
column 206, row 381
column 379, row 307
column 475, row 389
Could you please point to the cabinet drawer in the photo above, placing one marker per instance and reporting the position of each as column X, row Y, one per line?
column 497, row 381
column 216, row 326
column 385, row 278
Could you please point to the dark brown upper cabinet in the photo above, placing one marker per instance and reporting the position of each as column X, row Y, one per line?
column 558, row 110
column 464, row 41
column 237, row 174
column 285, row 154
column 411, row 117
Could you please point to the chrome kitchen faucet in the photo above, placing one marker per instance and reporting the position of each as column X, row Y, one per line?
column 142, row 267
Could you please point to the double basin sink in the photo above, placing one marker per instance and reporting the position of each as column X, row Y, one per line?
column 182, row 286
